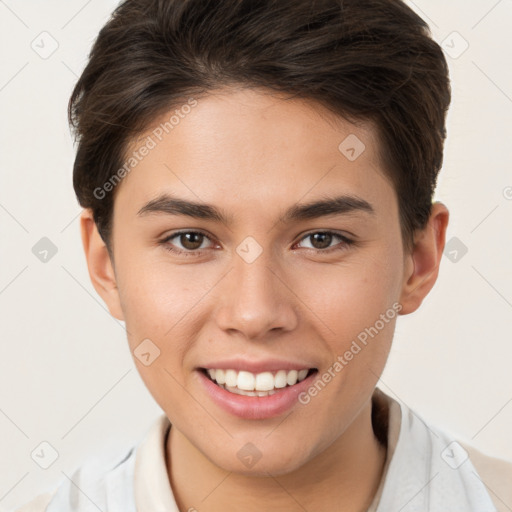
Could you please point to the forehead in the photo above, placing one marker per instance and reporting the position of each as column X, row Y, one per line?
column 242, row 147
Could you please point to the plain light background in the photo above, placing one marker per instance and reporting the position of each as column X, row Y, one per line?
column 66, row 374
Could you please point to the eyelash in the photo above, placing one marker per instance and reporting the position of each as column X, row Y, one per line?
column 347, row 242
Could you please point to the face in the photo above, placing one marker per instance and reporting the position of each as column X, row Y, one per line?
column 260, row 280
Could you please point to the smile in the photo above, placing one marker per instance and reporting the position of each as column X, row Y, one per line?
column 256, row 384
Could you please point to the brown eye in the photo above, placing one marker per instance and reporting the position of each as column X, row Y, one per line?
column 186, row 243
column 191, row 240
column 321, row 240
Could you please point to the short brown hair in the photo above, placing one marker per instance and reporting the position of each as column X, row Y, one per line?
column 362, row 59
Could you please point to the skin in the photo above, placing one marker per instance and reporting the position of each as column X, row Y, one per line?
column 253, row 155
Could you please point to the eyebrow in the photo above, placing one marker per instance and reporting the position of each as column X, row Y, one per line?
column 344, row 204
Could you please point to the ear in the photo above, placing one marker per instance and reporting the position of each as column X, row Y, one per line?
column 421, row 266
column 101, row 269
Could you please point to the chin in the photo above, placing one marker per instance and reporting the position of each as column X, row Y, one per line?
column 251, row 461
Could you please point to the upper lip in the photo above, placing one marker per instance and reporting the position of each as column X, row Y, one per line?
column 257, row 366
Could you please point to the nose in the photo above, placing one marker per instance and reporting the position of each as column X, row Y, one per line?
column 255, row 299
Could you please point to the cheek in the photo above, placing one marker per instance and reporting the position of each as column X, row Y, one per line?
column 157, row 302
column 349, row 296
column 157, row 306
column 155, row 294
column 354, row 306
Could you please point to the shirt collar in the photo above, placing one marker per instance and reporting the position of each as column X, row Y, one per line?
column 426, row 469
column 419, row 473
column 151, row 487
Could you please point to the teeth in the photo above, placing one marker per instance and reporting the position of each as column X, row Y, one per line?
column 261, row 384
column 219, row 376
column 238, row 391
column 264, row 381
column 292, row 377
column 230, row 378
column 280, row 379
column 245, row 381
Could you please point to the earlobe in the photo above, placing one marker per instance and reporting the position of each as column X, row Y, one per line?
column 99, row 264
column 422, row 264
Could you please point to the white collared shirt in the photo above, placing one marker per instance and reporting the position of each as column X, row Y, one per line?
column 426, row 470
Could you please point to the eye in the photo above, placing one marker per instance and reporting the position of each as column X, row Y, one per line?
column 191, row 242
column 321, row 241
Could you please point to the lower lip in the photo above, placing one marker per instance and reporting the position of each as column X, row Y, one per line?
column 255, row 407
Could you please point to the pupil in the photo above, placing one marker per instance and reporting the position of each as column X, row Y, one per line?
column 325, row 240
column 191, row 244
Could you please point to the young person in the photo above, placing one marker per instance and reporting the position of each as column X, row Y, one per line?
column 257, row 181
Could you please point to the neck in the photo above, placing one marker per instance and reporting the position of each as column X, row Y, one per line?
column 348, row 472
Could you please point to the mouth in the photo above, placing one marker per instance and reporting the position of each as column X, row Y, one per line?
column 257, row 385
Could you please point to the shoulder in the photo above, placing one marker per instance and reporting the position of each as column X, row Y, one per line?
column 107, row 480
column 38, row 504
column 100, row 481
column 496, row 475
column 465, row 477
